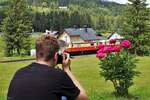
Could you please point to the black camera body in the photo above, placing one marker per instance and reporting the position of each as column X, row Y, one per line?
column 60, row 59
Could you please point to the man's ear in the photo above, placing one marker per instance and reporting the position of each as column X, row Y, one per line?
column 56, row 56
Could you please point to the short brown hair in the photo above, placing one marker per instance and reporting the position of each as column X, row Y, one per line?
column 46, row 47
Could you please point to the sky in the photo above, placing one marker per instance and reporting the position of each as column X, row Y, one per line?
column 125, row 1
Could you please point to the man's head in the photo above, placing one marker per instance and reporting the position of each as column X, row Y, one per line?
column 46, row 48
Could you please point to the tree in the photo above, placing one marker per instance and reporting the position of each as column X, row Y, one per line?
column 16, row 28
column 135, row 26
column 1, row 15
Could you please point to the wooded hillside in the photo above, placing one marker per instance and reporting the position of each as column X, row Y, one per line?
column 46, row 14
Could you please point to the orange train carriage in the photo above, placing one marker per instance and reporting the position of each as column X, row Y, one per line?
column 87, row 49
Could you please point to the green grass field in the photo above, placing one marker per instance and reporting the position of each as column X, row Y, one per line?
column 86, row 69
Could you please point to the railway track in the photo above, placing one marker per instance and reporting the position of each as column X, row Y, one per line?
column 17, row 60
column 33, row 59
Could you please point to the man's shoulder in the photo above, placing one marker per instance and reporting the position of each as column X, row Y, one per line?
column 40, row 68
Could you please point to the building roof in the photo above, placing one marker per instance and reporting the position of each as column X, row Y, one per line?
column 84, row 33
column 115, row 36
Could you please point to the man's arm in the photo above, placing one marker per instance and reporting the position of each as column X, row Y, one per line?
column 66, row 67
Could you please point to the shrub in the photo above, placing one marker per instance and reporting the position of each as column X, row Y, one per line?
column 117, row 65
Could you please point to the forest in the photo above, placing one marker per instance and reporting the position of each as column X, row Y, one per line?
column 46, row 14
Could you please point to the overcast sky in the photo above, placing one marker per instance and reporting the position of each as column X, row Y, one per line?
column 125, row 1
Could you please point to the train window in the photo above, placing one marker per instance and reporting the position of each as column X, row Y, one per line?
column 92, row 44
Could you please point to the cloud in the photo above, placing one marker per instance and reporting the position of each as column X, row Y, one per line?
column 125, row 1
column 120, row 1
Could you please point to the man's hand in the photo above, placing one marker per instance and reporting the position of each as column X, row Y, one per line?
column 66, row 62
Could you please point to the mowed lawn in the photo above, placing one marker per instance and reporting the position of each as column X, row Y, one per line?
column 86, row 69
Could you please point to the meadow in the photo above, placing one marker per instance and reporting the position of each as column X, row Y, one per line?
column 86, row 69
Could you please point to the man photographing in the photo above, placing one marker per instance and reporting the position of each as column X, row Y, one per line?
column 41, row 80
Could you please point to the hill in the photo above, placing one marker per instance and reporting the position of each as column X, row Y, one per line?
column 113, row 7
column 98, row 14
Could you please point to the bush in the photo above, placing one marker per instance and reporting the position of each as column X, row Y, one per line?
column 117, row 65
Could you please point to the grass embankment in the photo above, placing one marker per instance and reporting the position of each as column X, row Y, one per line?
column 86, row 69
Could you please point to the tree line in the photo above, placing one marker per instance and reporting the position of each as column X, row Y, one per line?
column 57, row 19
column 101, row 18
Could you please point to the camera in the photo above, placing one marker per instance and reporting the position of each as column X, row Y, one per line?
column 60, row 59
column 62, row 45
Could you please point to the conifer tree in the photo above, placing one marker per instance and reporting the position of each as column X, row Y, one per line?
column 16, row 28
column 135, row 26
